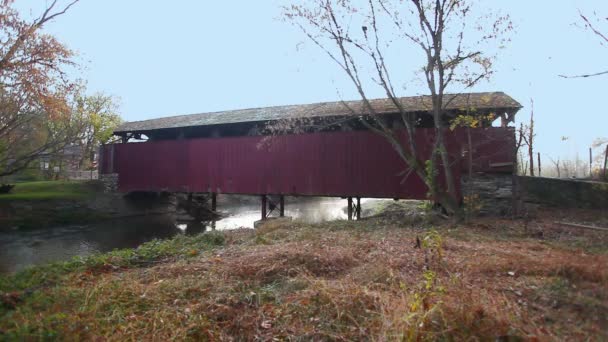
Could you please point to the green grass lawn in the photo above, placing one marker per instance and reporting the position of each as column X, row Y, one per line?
column 49, row 190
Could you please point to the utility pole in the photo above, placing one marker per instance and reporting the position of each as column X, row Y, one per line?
column 606, row 163
column 590, row 163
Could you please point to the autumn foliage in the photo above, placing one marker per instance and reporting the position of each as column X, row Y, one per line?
column 34, row 88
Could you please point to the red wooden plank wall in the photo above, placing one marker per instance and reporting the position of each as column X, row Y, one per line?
column 320, row 164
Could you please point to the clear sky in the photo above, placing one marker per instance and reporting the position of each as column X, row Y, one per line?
column 185, row 56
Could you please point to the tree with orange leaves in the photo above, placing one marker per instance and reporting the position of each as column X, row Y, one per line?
column 34, row 88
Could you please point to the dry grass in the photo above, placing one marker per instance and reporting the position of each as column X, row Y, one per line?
column 494, row 280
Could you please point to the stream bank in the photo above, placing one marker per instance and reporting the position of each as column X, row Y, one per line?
column 150, row 217
column 27, row 214
column 489, row 280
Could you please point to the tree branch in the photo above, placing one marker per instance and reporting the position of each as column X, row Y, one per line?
column 585, row 75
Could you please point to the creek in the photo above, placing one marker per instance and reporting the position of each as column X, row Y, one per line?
column 22, row 248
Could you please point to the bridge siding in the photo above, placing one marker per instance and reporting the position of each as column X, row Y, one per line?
column 320, row 164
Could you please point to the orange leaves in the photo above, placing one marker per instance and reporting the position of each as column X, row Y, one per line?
column 34, row 88
column 32, row 64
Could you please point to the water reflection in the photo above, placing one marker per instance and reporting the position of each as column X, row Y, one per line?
column 310, row 211
column 19, row 249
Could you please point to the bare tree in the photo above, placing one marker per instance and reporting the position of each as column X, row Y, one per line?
column 522, row 164
column 525, row 138
column 600, row 146
column 358, row 37
column 557, row 166
column 529, row 138
column 34, row 88
column 521, row 132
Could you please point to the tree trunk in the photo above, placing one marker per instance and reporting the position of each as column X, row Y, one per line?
column 606, row 164
column 531, row 142
column 470, row 143
column 450, row 204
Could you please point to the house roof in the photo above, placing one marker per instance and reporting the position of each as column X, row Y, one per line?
column 495, row 101
column 73, row 150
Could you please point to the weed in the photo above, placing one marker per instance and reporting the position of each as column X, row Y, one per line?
column 472, row 205
column 432, row 243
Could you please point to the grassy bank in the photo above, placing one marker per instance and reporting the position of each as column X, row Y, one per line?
column 333, row 281
column 50, row 190
column 42, row 204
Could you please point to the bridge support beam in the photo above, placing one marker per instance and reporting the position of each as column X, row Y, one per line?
column 190, row 198
column 213, row 202
column 282, row 206
column 354, row 209
column 350, row 208
column 264, row 207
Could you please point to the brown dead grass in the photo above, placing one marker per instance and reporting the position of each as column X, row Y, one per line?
column 271, row 263
column 351, row 281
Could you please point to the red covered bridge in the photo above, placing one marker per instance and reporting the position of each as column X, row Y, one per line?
column 231, row 153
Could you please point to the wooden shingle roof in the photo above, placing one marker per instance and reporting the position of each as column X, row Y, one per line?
column 483, row 102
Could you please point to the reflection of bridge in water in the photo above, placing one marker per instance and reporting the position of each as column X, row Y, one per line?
column 234, row 215
column 224, row 153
